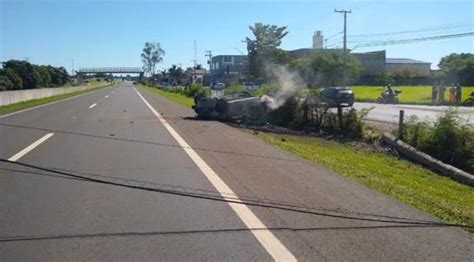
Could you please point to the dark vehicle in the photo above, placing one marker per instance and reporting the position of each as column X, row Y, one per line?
column 249, row 86
column 242, row 108
column 218, row 86
column 387, row 98
column 338, row 96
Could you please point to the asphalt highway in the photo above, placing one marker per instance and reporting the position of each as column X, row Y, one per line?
column 388, row 113
column 135, row 139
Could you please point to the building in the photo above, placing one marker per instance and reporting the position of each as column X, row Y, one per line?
column 197, row 75
column 401, row 65
column 374, row 62
column 225, row 67
column 318, row 40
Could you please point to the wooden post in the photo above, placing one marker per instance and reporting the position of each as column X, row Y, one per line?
column 339, row 115
column 400, row 124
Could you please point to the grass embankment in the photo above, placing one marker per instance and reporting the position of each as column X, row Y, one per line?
column 175, row 97
column 35, row 102
column 400, row 179
column 409, row 95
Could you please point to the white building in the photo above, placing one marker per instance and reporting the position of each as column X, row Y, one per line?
column 318, row 40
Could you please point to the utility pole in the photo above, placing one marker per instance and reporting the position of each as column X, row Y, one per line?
column 344, row 55
column 194, row 63
column 209, row 54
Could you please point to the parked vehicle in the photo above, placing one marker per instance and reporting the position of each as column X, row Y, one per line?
column 249, row 86
column 387, row 98
column 219, row 86
column 337, row 96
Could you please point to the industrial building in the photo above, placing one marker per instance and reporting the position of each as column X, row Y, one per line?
column 400, row 65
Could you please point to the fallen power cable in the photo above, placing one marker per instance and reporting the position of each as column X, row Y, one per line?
column 223, row 198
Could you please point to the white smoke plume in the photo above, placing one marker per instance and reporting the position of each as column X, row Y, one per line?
column 289, row 83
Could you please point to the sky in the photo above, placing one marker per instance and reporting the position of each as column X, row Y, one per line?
column 113, row 33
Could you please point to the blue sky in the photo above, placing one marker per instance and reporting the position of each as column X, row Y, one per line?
column 107, row 33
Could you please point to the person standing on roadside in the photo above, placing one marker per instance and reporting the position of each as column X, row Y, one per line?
column 434, row 93
column 452, row 94
column 441, row 90
column 458, row 93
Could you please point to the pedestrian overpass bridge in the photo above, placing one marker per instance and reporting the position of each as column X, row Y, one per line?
column 110, row 70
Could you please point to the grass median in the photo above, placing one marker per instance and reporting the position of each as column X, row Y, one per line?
column 400, row 179
column 409, row 95
column 36, row 102
column 175, row 97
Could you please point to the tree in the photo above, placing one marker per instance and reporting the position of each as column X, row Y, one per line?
column 25, row 71
column 458, row 68
column 326, row 69
column 262, row 48
column 5, row 83
column 59, row 76
column 44, row 76
column 198, row 67
column 152, row 54
column 176, row 73
column 13, row 78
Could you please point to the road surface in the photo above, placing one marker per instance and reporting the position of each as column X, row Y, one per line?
column 390, row 113
column 138, row 138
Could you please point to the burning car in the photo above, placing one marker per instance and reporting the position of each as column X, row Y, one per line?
column 242, row 108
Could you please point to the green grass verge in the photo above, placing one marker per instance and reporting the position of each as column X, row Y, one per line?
column 409, row 95
column 175, row 97
column 35, row 102
column 400, row 179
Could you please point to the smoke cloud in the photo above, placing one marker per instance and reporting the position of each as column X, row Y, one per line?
column 289, row 83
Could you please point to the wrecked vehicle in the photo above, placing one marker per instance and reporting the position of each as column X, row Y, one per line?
column 338, row 96
column 241, row 108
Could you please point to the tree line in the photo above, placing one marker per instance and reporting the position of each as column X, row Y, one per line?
column 17, row 75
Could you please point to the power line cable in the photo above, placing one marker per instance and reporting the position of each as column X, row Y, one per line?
column 22, row 238
column 206, row 192
column 334, row 35
column 205, row 197
column 414, row 40
column 421, row 30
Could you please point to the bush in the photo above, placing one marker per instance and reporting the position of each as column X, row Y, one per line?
column 448, row 139
column 234, row 88
column 264, row 89
column 353, row 122
column 194, row 90
column 301, row 112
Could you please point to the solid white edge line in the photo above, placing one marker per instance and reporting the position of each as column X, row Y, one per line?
column 27, row 149
column 92, row 106
column 266, row 238
column 50, row 103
